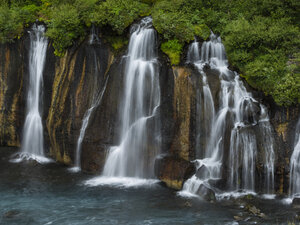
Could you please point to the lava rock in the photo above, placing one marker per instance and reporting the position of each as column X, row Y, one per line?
column 206, row 193
column 173, row 171
column 296, row 202
column 11, row 214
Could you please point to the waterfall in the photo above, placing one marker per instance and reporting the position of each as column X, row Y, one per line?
column 95, row 103
column 295, row 164
column 139, row 139
column 32, row 146
column 97, row 98
column 235, row 118
column 268, row 146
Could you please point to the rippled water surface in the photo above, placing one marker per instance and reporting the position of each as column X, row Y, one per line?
column 48, row 194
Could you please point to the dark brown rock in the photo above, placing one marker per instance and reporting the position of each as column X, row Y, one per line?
column 173, row 171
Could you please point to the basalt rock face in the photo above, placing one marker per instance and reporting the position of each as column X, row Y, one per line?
column 69, row 84
column 76, row 77
column 284, row 121
column 175, row 167
column 173, row 171
column 12, row 91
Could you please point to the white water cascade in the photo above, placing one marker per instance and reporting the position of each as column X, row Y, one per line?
column 32, row 146
column 295, row 165
column 96, row 101
column 139, row 139
column 235, row 115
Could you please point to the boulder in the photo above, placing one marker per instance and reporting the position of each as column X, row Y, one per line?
column 296, row 202
column 206, row 193
column 173, row 171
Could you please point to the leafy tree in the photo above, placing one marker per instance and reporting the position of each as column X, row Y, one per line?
column 64, row 27
column 119, row 14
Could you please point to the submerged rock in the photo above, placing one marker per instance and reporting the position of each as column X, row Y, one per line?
column 206, row 193
column 296, row 202
column 11, row 214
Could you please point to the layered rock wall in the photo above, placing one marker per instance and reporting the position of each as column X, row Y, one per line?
column 69, row 84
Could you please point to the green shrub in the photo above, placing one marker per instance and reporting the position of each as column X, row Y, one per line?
column 10, row 24
column 13, row 20
column 85, row 8
column 119, row 14
column 179, row 20
column 64, row 27
column 173, row 48
column 260, row 49
column 117, row 42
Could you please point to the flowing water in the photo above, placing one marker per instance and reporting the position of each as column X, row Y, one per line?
column 295, row 165
column 48, row 194
column 234, row 113
column 135, row 155
column 96, row 101
column 32, row 146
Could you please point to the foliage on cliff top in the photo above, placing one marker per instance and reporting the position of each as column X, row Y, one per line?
column 261, row 36
column 14, row 17
column 119, row 14
column 262, row 39
column 180, row 19
column 172, row 48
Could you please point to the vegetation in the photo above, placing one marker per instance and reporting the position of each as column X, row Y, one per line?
column 261, row 37
column 172, row 48
column 119, row 14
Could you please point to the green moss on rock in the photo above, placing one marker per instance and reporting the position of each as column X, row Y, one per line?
column 173, row 48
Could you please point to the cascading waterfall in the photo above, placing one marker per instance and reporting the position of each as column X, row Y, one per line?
column 32, row 146
column 96, row 101
column 268, row 146
column 209, row 168
column 295, row 165
column 139, row 141
column 237, row 111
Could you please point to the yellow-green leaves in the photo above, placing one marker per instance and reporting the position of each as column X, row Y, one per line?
column 173, row 49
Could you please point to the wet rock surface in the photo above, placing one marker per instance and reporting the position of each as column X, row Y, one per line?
column 11, row 214
column 206, row 193
column 173, row 171
column 69, row 84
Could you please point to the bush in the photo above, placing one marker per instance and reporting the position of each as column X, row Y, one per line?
column 260, row 49
column 13, row 20
column 180, row 20
column 119, row 14
column 173, row 49
column 64, row 27
column 10, row 25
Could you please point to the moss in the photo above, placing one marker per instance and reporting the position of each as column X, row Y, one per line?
column 117, row 42
column 281, row 129
column 66, row 159
column 173, row 48
column 175, row 184
column 202, row 31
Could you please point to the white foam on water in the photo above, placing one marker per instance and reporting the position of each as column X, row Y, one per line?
column 287, row 201
column 74, row 169
column 234, row 194
column 268, row 196
column 19, row 157
column 187, row 194
column 122, row 182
